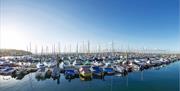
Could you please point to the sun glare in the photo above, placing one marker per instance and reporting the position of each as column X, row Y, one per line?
column 12, row 38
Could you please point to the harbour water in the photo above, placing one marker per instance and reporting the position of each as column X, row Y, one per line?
column 164, row 78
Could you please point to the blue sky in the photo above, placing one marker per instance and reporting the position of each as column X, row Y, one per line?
column 136, row 23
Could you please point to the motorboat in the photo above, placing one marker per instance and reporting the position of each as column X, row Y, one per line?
column 128, row 65
column 55, row 73
column 50, row 64
column 77, row 63
column 96, row 63
column 108, row 70
column 48, row 73
column 87, row 62
column 20, row 73
column 40, row 66
column 119, row 69
column 85, row 72
column 142, row 64
column 7, row 70
column 156, row 62
column 40, row 74
column 71, row 73
column 65, row 64
column 97, row 71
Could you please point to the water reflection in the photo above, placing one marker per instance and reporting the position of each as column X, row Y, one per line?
column 6, row 77
column 139, row 81
column 43, row 75
column 69, row 78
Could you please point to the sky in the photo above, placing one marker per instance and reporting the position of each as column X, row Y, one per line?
column 136, row 24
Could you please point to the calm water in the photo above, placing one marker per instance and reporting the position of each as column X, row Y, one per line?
column 163, row 79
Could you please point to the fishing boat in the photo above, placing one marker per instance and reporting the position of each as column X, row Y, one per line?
column 85, row 72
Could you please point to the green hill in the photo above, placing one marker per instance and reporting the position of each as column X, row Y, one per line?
column 13, row 52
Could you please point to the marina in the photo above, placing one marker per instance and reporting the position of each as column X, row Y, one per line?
column 89, row 45
column 165, row 75
column 86, row 71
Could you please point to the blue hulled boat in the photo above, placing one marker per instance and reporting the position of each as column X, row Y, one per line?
column 71, row 73
column 109, row 71
column 97, row 71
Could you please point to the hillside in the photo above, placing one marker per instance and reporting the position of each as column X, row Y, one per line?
column 13, row 52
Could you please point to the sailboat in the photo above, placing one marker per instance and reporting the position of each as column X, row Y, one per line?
column 120, row 69
column 55, row 72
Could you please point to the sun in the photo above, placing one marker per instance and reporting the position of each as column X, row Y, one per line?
column 12, row 38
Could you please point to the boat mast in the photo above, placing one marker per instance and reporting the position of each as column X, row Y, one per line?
column 41, row 50
column 47, row 49
column 127, row 50
column 65, row 49
column 27, row 48
column 30, row 47
column 70, row 48
column 35, row 49
column 59, row 47
column 54, row 49
column 99, row 48
column 41, row 54
column 112, row 48
column 83, row 48
column 88, row 46
column 77, row 49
